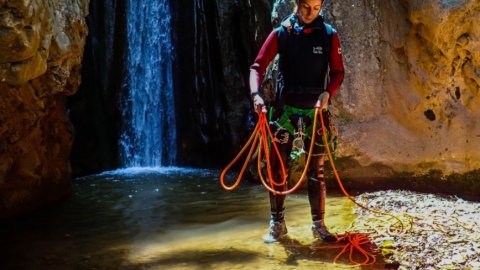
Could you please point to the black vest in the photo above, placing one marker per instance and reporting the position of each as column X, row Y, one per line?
column 303, row 63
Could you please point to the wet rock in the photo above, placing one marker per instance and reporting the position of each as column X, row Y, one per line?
column 40, row 56
column 211, row 82
column 411, row 85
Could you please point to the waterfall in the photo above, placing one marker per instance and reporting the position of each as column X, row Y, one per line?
column 149, row 131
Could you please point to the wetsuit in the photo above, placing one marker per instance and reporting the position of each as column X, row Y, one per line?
column 310, row 63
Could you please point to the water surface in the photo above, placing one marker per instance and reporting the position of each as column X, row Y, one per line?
column 167, row 218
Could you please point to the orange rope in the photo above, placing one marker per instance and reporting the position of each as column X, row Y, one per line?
column 262, row 130
column 355, row 241
column 304, row 173
column 259, row 140
column 335, row 172
column 251, row 141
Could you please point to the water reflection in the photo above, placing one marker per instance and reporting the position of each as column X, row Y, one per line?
column 165, row 219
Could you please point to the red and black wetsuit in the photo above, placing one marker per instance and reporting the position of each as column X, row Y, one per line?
column 303, row 62
column 310, row 63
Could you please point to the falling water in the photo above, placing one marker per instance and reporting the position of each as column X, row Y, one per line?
column 148, row 136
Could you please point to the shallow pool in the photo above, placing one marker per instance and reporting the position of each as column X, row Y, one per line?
column 168, row 218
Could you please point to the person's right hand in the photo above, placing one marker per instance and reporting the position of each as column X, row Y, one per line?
column 259, row 104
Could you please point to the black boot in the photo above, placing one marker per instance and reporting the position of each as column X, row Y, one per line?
column 316, row 196
column 277, row 228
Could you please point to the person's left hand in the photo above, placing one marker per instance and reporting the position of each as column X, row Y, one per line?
column 322, row 102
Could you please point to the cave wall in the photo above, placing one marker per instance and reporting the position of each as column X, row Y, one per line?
column 94, row 109
column 214, row 41
column 410, row 97
column 40, row 61
column 408, row 106
column 214, row 45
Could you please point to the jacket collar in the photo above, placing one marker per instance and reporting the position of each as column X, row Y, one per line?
column 292, row 23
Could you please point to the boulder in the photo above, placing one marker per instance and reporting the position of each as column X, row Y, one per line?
column 40, row 60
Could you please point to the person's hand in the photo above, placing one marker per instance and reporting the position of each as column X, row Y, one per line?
column 322, row 102
column 258, row 104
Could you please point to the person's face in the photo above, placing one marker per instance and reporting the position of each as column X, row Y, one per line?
column 309, row 10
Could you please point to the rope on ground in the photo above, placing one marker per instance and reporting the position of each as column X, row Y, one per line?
column 259, row 140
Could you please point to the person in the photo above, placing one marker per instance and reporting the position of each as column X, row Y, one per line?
column 310, row 71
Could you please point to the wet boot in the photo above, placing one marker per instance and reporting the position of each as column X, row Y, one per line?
column 320, row 231
column 277, row 228
column 276, row 231
column 316, row 196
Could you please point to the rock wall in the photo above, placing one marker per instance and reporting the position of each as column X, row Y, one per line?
column 409, row 105
column 40, row 60
column 94, row 110
column 411, row 85
column 214, row 50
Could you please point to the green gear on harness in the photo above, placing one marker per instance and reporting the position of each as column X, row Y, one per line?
column 299, row 123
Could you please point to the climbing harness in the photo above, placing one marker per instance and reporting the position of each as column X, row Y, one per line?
column 298, row 143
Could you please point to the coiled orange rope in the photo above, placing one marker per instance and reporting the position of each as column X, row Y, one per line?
column 259, row 140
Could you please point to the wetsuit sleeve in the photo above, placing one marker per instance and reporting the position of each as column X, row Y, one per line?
column 336, row 66
column 265, row 56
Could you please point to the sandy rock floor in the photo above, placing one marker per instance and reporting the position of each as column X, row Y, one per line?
column 437, row 233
